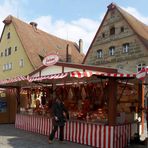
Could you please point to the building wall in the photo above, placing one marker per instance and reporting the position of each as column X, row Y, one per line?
column 11, row 60
column 137, row 52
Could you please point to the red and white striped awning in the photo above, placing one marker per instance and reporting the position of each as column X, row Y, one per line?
column 75, row 74
column 47, row 77
column 12, row 80
column 142, row 74
column 78, row 74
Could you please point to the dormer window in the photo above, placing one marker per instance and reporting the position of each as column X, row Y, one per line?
column 125, row 47
column 8, row 35
column 99, row 53
column 111, row 50
column 112, row 30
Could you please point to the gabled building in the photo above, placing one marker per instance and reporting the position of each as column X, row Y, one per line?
column 23, row 47
column 120, row 42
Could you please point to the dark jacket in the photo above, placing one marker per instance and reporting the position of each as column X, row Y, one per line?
column 58, row 111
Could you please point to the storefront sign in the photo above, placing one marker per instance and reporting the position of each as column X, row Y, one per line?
column 50, row 60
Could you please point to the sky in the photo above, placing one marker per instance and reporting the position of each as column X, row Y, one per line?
column 69, row 19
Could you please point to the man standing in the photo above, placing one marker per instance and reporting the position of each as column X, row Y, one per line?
column 59, row 119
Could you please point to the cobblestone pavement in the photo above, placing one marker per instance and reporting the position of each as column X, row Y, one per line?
column 10, row 137
column 139, row 146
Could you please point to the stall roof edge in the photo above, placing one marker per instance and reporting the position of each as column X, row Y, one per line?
column 81, row 66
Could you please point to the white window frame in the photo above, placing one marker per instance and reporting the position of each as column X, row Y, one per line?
column 4, row 67
column 99, row 53
column 111, row 50
column 125, row 48
column 10, row 66
column 7, row 66
column 21, row 62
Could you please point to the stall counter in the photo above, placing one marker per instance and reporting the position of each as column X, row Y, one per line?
column 92, row 134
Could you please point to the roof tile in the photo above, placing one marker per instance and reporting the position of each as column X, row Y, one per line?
column 38, row 43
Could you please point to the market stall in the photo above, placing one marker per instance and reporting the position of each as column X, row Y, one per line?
column 9, row 99
column 101, row 114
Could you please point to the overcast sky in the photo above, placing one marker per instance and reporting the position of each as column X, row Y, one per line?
column 69, row 19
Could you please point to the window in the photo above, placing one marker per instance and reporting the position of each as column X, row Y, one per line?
column 9, row 51
column 7, row 66
column 125, row 47
column 5, row 52
column 3, row 67
column 140, row 66
column 1, row 54
column 10, row 65
column 111, row 50
column 8, row 35
column 21, row 63
column 15, row 48
column 99, row 53
column 103, row 35
column 122, row 29
column 112, row 30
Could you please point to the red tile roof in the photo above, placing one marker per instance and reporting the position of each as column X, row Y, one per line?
column 38, row 43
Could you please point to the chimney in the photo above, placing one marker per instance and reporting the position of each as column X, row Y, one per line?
column 111, row 6
column 68, row 53
column 7, row 20
column 34, row 24
column 81, row 46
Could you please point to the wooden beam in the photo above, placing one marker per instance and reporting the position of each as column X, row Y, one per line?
column 112, row 101
column 10, row 86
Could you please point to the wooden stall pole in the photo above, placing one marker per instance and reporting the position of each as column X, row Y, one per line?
column 142, row 114
column 112, row 102
column 53, row 91
column 18, row 99
column 139, row 105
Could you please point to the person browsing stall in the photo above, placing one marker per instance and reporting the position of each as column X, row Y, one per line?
column 60, row 114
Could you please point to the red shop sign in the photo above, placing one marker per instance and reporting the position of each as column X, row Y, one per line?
column 51, row 59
